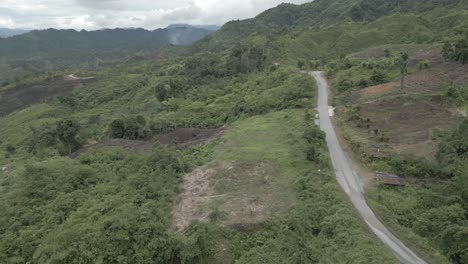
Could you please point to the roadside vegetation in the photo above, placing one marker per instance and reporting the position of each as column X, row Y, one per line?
column 417, row 131
column 321, row 225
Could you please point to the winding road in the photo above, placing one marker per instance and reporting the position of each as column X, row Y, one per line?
column 351, row 182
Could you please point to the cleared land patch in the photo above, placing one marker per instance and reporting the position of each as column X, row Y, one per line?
column 195, row 195
column 407, row 125
column 417, row 52
column 181, row 138
column 251, row 178
column 424, row 81
column 386, row 119
column 241, row 195
column 25, row 95
column 185, row 137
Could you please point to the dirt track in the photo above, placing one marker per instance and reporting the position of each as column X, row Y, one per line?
column 351, row 182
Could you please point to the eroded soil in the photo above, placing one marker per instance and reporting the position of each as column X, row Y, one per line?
column 180, row 138
column 409, row 125
column 185, row 137
column 239, row 194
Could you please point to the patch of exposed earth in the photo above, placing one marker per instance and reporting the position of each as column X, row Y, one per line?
column 25, row 95
column 195, row 196
column 408, row 125
column 240, row 194
column 436, row 78
column 418, row 52
column 408, row 122
column 184, row 137
column 73, row 77
column 180, row 138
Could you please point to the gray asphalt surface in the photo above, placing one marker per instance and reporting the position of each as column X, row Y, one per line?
column 351, row 182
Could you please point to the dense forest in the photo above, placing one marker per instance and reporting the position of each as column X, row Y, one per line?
column 47, row 51
column 272, row 196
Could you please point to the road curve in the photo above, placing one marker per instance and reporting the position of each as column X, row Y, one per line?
column 351, row 183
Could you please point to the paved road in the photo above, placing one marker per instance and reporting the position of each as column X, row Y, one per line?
column 351, row 182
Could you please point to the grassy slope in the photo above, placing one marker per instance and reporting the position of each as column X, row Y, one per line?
column 305, row 233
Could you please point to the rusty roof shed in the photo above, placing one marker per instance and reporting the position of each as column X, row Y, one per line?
column 389, row 179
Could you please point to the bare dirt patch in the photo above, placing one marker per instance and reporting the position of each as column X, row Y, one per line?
column 25, row 95
column 436, row 78
column 417, row 52
column 194, row 198
column 185, row 137
column 408, row 124
column 379, row 89
column 405, row 119
column 180, row 138
column 73, row 77
column 240, row 195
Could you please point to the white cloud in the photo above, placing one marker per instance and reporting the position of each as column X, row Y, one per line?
column 151, row 14
column 7, row 22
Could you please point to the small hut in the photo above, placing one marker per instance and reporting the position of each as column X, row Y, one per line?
column 388, row 179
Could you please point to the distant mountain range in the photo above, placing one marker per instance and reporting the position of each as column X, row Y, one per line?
column 207, row 27
column 7, row 32
column 34, row 51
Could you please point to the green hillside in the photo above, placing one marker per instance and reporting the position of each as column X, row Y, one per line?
column 123, row 200
column 295, row 34
column 210, row 155
column 53, row 50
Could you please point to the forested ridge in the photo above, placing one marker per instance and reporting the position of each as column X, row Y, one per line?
column 115, row 204
column 46, row 51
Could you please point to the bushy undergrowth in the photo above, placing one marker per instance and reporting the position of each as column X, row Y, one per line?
column 106, row 207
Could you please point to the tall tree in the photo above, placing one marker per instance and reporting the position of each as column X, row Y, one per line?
column 456, row 50
column 403, row 64
column 67, row 131
column 461, row 50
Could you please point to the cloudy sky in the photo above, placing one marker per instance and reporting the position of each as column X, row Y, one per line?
column 150, row 14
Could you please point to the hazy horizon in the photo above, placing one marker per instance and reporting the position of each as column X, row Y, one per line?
column 109, row 14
